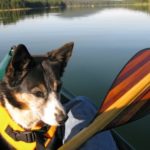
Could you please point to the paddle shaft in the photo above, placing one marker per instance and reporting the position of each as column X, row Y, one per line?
column 102, row 120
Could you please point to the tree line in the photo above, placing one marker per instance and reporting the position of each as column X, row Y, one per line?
column 11, row 4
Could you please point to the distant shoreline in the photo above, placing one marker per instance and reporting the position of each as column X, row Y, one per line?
column 23, row 9
column 74, row 6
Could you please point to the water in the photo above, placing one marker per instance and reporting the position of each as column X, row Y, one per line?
column 105, row 39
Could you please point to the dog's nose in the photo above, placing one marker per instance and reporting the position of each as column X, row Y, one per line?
column 61, row 118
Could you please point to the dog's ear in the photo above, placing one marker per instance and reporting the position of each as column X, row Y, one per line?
column 61, row 55
column 20, row 63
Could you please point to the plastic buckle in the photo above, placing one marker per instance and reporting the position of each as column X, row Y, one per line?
column 28, row 137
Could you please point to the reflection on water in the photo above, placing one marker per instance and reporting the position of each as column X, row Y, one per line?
column 105, row 39
column 8, row 17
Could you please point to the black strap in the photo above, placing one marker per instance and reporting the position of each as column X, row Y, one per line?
column 25, row 136
column 38, row 137
column 56, row 141
column 29, row 136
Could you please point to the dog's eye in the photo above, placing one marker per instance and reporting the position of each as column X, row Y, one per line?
column 39, row 94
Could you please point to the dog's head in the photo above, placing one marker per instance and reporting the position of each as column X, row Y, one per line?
column 33, row 86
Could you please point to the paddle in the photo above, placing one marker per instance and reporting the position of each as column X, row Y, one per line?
column 128, row 99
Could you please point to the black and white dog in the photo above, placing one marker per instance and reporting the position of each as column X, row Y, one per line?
column 30, row 90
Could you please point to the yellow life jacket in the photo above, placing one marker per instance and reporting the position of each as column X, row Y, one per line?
column 6, row 122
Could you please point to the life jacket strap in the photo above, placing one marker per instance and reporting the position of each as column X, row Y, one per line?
column 25, row 136
column 29, row 136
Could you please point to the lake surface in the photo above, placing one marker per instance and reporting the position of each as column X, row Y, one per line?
column 105, row 39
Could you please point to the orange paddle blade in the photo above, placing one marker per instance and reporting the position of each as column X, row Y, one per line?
column 135, row 70
column 128, row 99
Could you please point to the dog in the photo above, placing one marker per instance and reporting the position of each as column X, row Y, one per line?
column 30, row 92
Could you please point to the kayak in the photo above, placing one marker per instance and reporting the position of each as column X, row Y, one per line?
column 66, row 96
